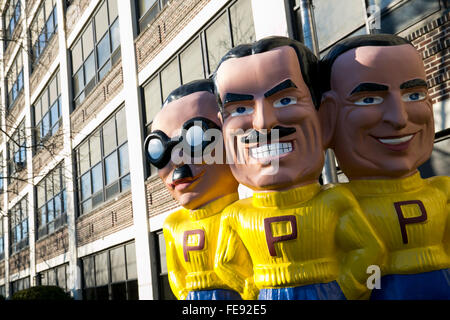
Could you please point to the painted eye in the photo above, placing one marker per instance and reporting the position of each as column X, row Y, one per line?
column 194, row 136
column 241, row 110
column 415, row 96
column 155, row 149
column 283, row 102
column 367, row 101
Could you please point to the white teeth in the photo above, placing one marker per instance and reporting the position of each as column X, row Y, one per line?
column 270, row 150
column 396, row 140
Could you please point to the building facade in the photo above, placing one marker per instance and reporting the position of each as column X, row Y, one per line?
column 81, row 82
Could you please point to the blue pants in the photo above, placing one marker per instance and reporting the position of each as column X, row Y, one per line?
column 434, row 285
column 318, row 291
column 216, row 294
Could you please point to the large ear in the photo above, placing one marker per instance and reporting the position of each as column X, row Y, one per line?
column 328, row 113
column 219, row 115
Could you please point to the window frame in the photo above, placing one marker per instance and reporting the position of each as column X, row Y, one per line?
column 18, row 140
column 35, row 55
column 88, row 172
column 16, row 79
column 58, row 221
column 95, row 288
column 15, row 12
column 18, row 223
column 99, row 71
column 55, row 124
column 144, row 19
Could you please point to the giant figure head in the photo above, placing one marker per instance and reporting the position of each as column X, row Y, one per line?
column 376, row 112
column 178, row 141
column 267, row 94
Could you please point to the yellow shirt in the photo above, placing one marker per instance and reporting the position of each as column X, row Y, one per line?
column 191, row 238
column 302, row 236
column 411, row 216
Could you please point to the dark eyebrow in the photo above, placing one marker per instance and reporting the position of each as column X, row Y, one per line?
column 234, row 97
column 369, row 86
column 279, row 87
column 414, row 84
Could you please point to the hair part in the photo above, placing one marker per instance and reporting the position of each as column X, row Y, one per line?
column 307, row 60
column 377, row 40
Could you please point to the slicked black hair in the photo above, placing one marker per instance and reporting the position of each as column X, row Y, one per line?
column 378, row 40
column 189, row 88
column 307, row 60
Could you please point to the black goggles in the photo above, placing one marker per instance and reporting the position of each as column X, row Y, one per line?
column 158, row 146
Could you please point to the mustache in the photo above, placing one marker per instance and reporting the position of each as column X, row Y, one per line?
column 255, row 135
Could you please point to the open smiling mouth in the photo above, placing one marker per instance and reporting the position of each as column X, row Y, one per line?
column 396, row 143
column 270, row 151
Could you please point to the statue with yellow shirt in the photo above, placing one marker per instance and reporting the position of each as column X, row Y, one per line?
column 175, row 146
column 300, row 240
column 379, row 121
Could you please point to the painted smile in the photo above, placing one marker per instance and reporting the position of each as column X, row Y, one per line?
column 269, row 151
column 396, row 143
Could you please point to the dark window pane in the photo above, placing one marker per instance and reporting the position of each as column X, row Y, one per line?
column 103, row 50
column 118, row 271
column 78, row 82
column 88, row 272
column 115, row 35
column 97, row 178
column 218, row 41
column 102, row 293
column 89, row 67
column 191, row 62
column 119, row 291
column 125, row 183
column 112, row 190
column 111, row 168
column 123, row 156
column 242, row 22
column 132, row 288
column 109, row 136
column 85, row 186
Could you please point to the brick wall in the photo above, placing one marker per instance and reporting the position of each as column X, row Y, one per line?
column 170, row 21
column 433, row 42
column 159, row 200
column 52, row 246
column 19, row 261
column 110, row 218
column 103, row 93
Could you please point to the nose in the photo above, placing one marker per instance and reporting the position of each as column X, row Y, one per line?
column 395, row 113
column 264, row 115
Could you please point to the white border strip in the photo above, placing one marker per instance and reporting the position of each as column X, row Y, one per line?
column 109, row 241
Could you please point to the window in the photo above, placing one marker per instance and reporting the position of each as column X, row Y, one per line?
column 96, row 50
column 148, row 10
column 2, row 240
column 20, row 284
column 165, row 293
column 57, row 276
column 51, row 202
column 47, row 112
column 42, row 28
column 111, row 274
column 346, row 17
column 103, row 164
column 17, row 155
column 15, row 79
column 2, row 291
column 19, row 225
column 190, row 64
column 11, row 18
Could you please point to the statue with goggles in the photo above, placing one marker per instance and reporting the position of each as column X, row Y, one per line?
column 184, row 134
